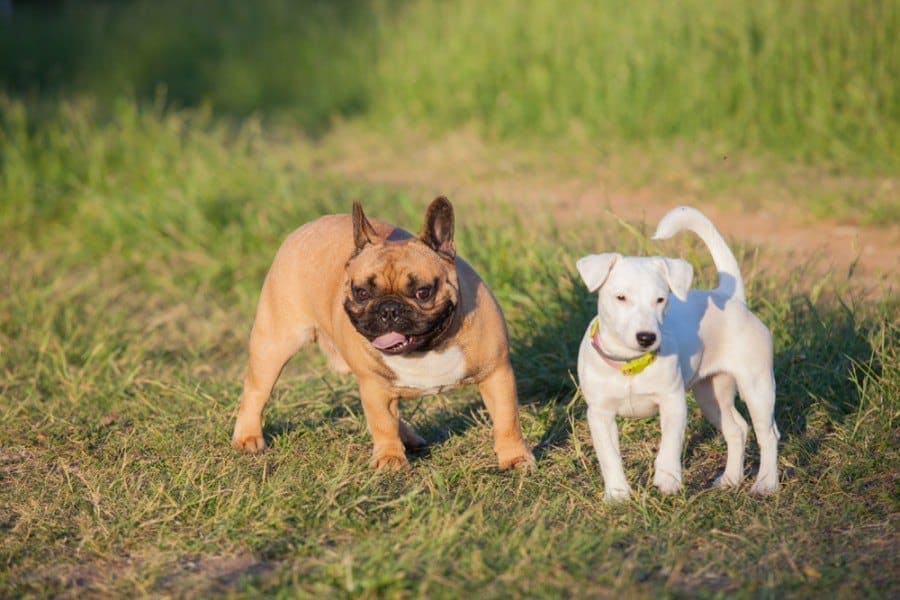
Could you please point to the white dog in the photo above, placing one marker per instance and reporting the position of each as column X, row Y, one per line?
column 646, row 347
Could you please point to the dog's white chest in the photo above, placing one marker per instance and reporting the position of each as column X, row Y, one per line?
column 430, row 372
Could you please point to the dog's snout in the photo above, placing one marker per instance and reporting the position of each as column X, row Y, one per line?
column 390, row 311
column 646, row 338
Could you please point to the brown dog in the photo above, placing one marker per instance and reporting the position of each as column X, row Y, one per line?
column 403, row 313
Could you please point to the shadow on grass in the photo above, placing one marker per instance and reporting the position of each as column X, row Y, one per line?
column 821, row 366
column 435, row 418
column 546, row 362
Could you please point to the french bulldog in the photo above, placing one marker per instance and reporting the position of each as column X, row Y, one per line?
column 403, row 313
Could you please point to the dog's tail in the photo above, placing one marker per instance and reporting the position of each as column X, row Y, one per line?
column 685, row 217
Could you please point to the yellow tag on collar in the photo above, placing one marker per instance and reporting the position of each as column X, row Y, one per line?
column 633, row 367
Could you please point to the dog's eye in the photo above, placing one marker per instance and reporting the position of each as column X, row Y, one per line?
column 621, row 298
column 660, row 300
column 361, row 294
column 423, row 293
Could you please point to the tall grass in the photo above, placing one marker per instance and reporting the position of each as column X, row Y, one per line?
column 808, row 80
column 134, row 245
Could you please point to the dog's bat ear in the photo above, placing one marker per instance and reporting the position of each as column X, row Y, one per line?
column 363, row 232
column 595, row 268
column 678, row 274
column 437, row 233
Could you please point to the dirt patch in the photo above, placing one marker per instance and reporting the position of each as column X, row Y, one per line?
column 211, row 575
column 765, row 213
column 188, row 577
column 870, row 256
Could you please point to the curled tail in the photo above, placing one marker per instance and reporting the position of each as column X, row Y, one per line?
column 687, row 218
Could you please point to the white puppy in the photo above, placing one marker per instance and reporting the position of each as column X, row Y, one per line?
column 646, row 347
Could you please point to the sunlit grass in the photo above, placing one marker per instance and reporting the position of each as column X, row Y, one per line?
column 134, row 245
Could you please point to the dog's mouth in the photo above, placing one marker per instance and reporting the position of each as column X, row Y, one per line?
column 418, row 337
column 396, row 343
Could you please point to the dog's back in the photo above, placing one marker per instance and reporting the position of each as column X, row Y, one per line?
column 731, row 284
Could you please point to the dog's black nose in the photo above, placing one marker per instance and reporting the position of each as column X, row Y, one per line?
column 646, row 339
column 390, row 311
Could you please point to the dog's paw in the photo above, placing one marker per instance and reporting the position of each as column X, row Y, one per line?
column 249, row 443
column 389, row 462
column 724, row 482
column 617, row 494
column 516, row 458
column 667, row 483
column 523, row 462
column 764, row 487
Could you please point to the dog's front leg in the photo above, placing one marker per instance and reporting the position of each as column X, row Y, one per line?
column 605, row 435
column 498, row 391
column 672, row 423
column 382, row 411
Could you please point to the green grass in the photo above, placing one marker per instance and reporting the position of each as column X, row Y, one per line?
column 811, row 81
column 135, row 242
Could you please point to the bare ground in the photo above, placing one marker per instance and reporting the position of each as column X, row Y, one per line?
column 763, row 210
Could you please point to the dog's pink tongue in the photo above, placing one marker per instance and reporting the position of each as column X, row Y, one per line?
column 388, row 340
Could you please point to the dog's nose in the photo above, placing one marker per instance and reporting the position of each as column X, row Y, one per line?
column 646, row 339
column 389, row 312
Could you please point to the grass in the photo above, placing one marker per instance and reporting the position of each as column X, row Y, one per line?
column 760, row 74
column 812, row 81
column 151, row 161
column 135, row 242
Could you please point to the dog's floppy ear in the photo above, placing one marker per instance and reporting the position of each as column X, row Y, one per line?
column 595, row 268
column 363, row 232
column 679, row 274
column 437, row 233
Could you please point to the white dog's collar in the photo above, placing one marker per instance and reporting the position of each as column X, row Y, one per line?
column 626, row 367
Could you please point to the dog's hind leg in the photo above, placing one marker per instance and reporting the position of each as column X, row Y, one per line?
column 758, row 393
column 715, row 396
column 274, row 339
column 410, row 438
